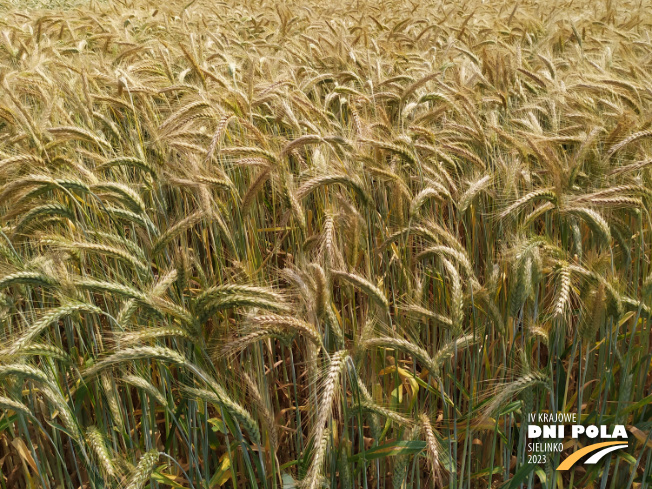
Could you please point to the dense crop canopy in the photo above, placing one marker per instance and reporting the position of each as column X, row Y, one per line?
column 251, row 245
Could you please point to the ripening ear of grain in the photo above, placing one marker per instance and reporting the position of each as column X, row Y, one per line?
column 332, row 244
column 143, row 470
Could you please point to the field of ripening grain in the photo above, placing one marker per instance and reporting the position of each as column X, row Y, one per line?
column 328, row 244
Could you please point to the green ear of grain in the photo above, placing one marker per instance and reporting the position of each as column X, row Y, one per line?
column 143, row 471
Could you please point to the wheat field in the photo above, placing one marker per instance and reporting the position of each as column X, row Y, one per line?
column 322, row 244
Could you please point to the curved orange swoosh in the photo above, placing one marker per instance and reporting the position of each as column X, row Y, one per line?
column 571, row 459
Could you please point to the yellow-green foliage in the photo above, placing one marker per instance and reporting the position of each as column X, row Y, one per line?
column 248, row 244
